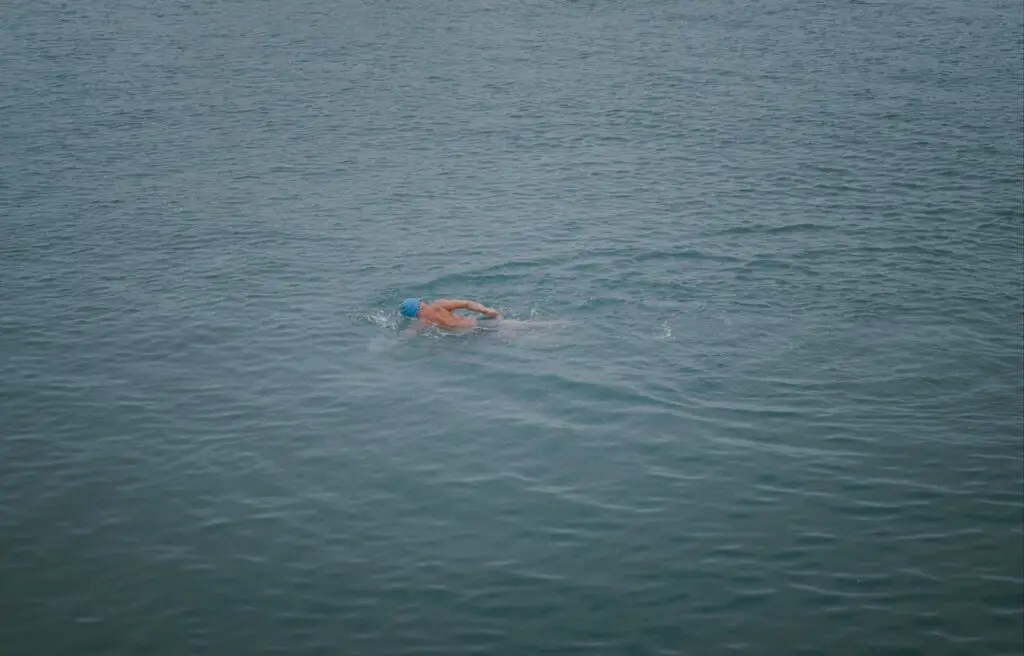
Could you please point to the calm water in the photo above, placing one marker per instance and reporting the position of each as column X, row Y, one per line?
column 784, row 417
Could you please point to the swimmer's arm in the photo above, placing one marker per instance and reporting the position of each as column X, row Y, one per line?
column 450, row 305
column 415, row 329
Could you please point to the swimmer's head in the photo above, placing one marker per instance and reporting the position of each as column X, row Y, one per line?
column 410, row 307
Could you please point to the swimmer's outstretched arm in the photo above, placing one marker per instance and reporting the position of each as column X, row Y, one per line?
column 449, row 305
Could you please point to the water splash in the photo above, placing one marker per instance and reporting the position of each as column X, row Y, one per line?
column 383, row 320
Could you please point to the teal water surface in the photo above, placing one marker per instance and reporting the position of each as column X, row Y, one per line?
column 784, row 416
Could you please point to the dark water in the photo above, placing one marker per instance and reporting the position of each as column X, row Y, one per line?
column 784, row 418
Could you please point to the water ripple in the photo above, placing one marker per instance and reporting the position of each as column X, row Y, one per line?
column 784, row 414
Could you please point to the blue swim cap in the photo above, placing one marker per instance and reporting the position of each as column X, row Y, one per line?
column 410, row 307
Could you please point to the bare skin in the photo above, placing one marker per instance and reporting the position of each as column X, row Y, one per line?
column 441, row 313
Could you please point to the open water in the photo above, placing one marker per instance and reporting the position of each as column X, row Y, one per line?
column 784, row 416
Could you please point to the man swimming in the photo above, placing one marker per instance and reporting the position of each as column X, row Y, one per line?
column 441, row 313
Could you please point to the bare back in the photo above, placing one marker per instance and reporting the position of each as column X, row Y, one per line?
column 436, row 314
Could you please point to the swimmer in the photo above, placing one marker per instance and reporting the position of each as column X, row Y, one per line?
column 441, row 313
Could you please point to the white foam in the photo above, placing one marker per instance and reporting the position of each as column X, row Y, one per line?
column 382, row 319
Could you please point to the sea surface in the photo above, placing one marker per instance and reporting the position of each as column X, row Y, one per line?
column 784, row 415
